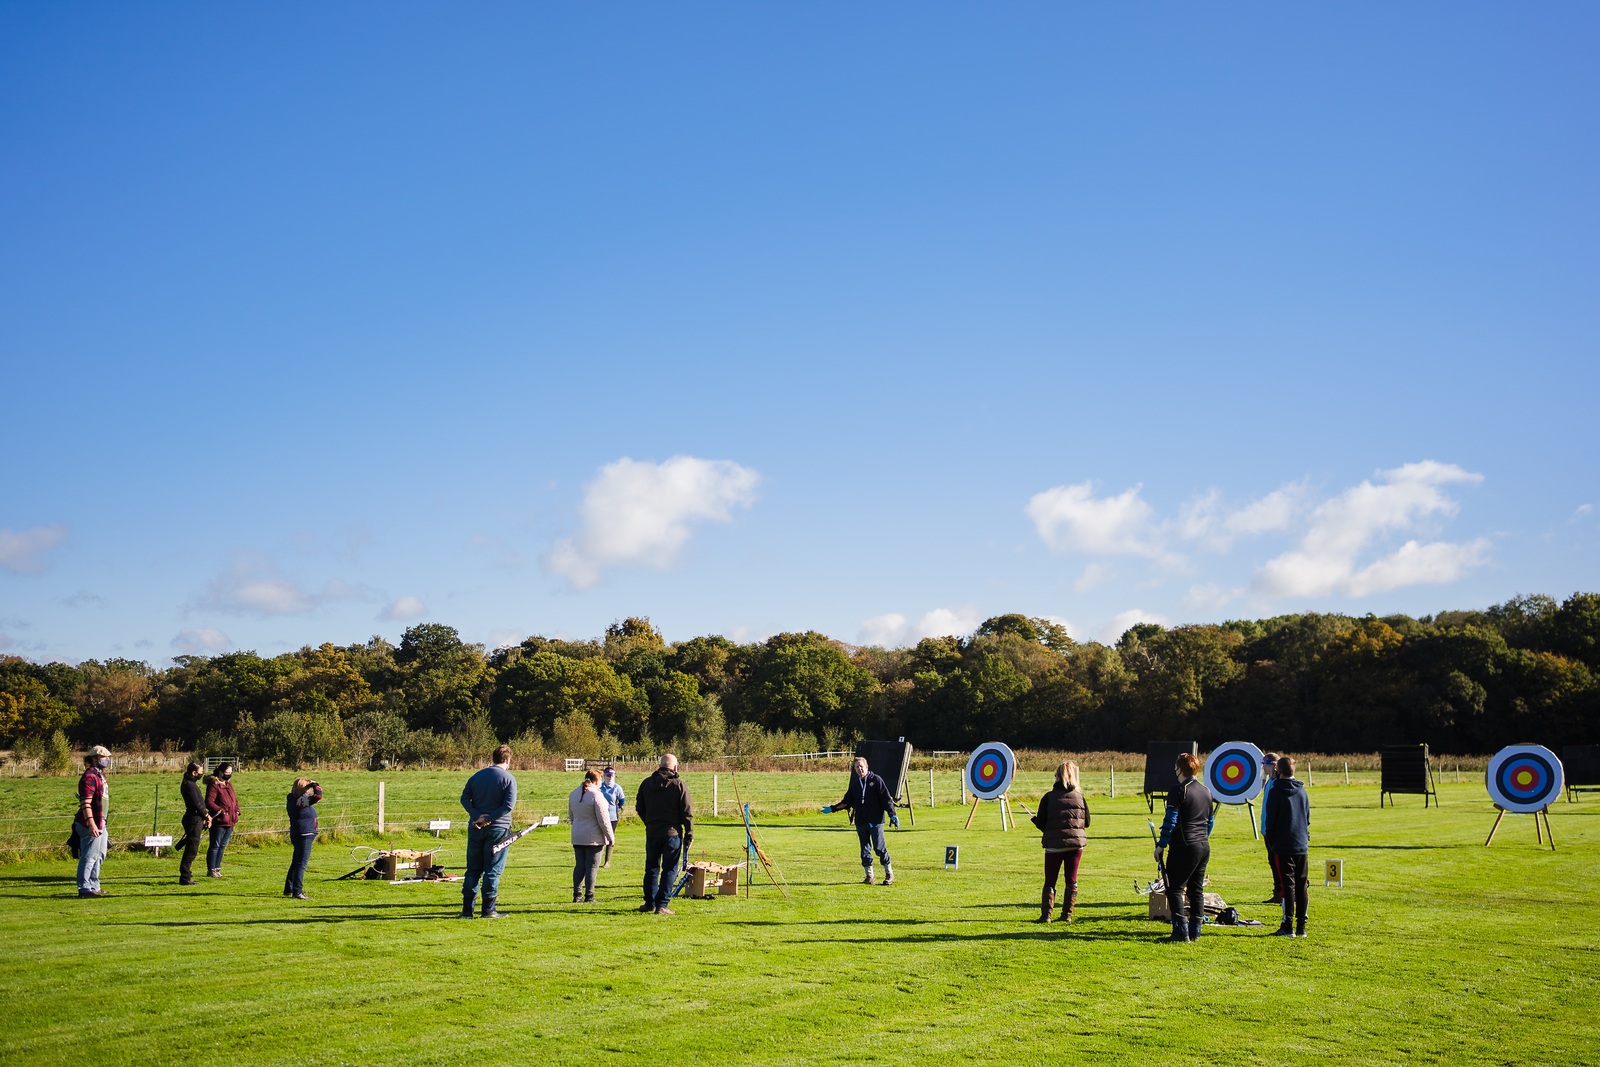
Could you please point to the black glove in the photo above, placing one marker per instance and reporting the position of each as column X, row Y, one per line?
column 688, row 839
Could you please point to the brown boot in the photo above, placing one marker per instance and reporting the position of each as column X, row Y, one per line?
column 1072, row 902
column 1047, row 903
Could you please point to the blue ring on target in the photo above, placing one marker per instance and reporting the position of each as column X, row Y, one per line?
column 989, row 770
column 1233, row 772
column 1523, row 778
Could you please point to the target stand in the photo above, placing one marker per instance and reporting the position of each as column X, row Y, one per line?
column 1523, row 779
column 988, row 776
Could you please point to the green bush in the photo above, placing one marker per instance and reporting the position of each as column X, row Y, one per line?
column 56, row 755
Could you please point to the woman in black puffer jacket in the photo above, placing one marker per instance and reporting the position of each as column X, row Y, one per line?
column 1064, row 819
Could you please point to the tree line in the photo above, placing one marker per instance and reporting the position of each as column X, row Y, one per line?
column 1461, row 681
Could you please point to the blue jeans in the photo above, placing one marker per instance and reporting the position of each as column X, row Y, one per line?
column 219, row 841
column 91, row 852
column 871, row 837
column 296, row 882
column 660, row 865
column 482, row 861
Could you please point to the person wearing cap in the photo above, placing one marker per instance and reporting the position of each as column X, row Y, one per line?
column 616, row 800
column 867, row 798
column 222, row 804
column 195, row 820
column 1269, row 771
column 90, row 822
column 1288, row 832
column 302, row 833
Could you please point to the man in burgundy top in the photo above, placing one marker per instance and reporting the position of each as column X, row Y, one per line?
column 90, row 822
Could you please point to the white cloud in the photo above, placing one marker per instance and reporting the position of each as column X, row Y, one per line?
column 1072, row 631
column 201, row 641
column 1209, row 597
column 894, row 630
column 21, row 550
column 253, row 586
column 1070, row 518
column 639, row 513
column 1403, row 500
column 1206, row 518
column 404, row 609
column 1122, row 622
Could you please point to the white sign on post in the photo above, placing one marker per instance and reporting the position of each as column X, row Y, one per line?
column 438, row 824
column 156, row 842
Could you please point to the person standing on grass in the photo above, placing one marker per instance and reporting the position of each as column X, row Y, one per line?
column 1063, row 819
column 195, row 819
column 94, row 797
column 223, row 807
column 615, row 800
column 867, row 798
column 488, row 797
column 1269, row 771
column 1186, row 826
column 663, row 806
column 590, row 817
column 1287, row 826
column 302, row 834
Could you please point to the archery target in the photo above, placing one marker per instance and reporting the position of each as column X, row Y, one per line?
column 1523, row 778
column 989, row 770
column 1233, row 772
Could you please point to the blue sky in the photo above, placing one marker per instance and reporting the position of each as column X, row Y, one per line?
column 319, row 321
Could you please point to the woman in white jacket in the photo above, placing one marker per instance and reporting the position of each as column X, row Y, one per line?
column 590, row 816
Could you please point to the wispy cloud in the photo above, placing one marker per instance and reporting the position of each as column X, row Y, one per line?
column 201, row 641
column 23, row 551
column 253, row 586
column 639, row 513
column 1342, row 530
column 894, row 630
column 1070, row 518
column 85, row 599
column 404, row 609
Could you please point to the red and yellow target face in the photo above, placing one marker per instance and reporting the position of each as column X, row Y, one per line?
column 1523, row 778
column 1233, row 772
column 989, row 770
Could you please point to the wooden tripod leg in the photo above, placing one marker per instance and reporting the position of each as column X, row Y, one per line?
column 970, row 814
column 1005, row 813
column 1538, row 831
column 1255, row 832
column 1548, row 833
column 1495, row 827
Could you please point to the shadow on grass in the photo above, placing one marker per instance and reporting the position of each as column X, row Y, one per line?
column 1072, row 934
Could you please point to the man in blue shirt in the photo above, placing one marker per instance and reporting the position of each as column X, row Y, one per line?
column 488, row 797
column 611, row 792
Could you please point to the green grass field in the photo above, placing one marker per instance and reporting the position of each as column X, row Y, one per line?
column 1437, row 950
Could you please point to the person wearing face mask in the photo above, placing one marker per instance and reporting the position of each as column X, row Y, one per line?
column 867, row 796
column 302, row 833
column 90, row 822
column 223, row 807
column 195, row 819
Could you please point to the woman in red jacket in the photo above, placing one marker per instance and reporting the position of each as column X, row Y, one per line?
column 223, row 807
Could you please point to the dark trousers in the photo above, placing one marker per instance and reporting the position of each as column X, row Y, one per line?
column 192, row 825
column 1186, row 879
column 660, row 864
column 483, row 863
column 1056, row 862
column 296, row 881
column 219, row 842
column 585, row 862
column 1277, row 876
column 871, row 837
column 1293, row 870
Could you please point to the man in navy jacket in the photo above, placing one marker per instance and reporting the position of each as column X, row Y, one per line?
column 868, row 797
column 1287, row 824
column 488, row 797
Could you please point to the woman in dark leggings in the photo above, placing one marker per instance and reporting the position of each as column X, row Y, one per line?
column 1187, row 828
column 302, row 834
column 1063, row 819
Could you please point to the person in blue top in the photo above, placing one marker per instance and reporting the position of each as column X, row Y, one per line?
column 488, row 797
column 302, row 834
column 613, row 795
column 1269, row 770
column 868, row 798
column 1288, row 831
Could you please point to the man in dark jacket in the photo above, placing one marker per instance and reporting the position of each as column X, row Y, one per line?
column 1288, row 833
column 662, row 803
column 195, row 819
column 867, row 796
column 489, row 797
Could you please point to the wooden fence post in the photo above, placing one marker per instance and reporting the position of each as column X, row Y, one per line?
column 380, row 807
column 716, row 798
column 930, row 787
